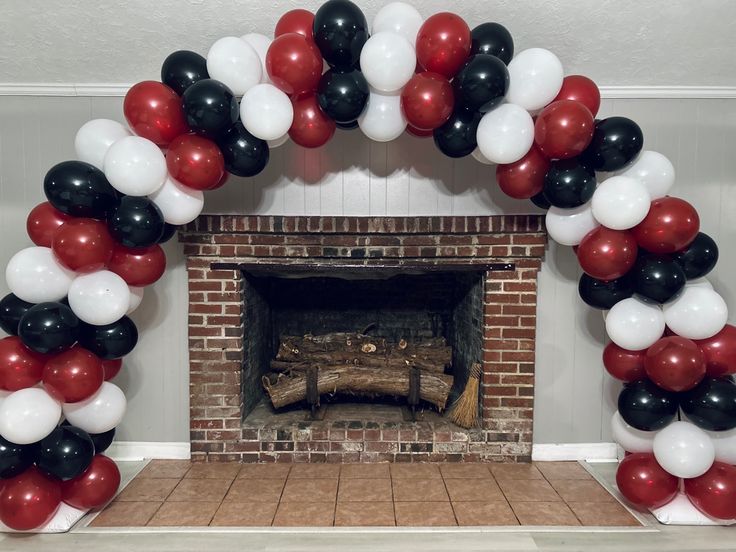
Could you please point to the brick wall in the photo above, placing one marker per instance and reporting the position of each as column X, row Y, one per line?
column 217, row 245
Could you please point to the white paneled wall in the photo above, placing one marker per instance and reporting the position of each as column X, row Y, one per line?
column 407, row 177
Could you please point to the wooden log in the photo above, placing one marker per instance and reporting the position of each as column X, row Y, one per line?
column 298, row 348
column 388, row 363
column 285, row 389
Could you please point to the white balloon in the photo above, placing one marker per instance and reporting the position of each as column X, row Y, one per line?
column 399, row 18
column 95, row 138
column 382, row 119
column 536, row 78
column 654, row 171
column 28, row 415
column 620, row 203
column 724, row 443
column 278, row 142
column 630, row 438
column 478, row 156
column 99, row 298
column 697, row 313
column 99, row 413
column 136, row 297
column 266, row 112
column 570, row 226
column 699, row 282
column 634, row 324
column 178, row 204
column 34, row 275
column 260, row 43
column 505, row 134
column 135, row 166
column 684, row 450
column 235, row 63
column 388, row 61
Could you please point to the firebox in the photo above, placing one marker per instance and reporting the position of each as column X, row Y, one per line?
column 345, row 339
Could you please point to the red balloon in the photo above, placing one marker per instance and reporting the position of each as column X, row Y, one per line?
column 714, row 492
column 138, row 267
column 20, row 367
column 111, row 368
column 671, row 225
column 294, row 64
column 29, row 500
column 311, row 127
column 196, row 162
column 95, row 487
column 675, row 364
column 720, row 352
column 524, row 178
column 427, row 101
column 296, row 21
column 623, row 364
column 83, row 245
column 581, row 89
column 644, row 483
column 564, row 129
column 443, row 44
column 43, row 222
column 74, row 375
column 607, row 254
column 418, row 132
column 154, row 111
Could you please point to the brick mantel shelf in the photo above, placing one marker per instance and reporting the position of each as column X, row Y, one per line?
column 216, row 246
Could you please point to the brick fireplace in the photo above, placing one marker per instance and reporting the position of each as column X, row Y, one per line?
column 488, row 267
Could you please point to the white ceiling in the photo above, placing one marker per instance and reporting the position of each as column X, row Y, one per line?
column 616, row 42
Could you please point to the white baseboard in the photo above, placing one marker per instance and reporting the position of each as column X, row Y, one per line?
column 140, row 450
column 590, row 452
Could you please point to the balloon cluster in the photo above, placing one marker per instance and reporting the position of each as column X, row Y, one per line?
column 97, row 238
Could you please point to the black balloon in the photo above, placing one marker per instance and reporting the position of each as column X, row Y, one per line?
column 49, row 328
column 210, row 108
column 482, row 83
column 12, row 310
column 340, row 31
column 457, row 137
column 616, row 142
column 646, row 406
column 712, row 404
column 569, row 183
column 540, row 201
column 102, row 441
column 169, row 232
column 657, row 277
column 604, row 295
column 493, row 39
column 245, row 155
column 136, row 222
column 65, row 452
column 14, row 459
column 182, row 69
column 111, row 340
column 352, row 125
column 343, row 95
column 80, row 190
column 698, row 258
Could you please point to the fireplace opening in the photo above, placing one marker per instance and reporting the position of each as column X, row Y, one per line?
column 431, row 319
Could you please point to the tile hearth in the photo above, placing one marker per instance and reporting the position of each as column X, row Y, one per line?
column 173, row 493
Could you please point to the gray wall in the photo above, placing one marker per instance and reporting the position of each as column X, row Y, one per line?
column 640, row 46
column 354, row 176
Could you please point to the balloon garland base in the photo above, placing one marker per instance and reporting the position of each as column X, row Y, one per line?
column 682, row 512
column 64, row 519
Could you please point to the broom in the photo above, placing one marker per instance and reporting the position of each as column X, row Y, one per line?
column 464, row 411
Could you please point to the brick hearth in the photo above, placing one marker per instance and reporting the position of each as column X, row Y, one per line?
column 218, row 246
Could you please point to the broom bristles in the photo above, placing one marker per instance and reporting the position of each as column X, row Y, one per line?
column 464, row 411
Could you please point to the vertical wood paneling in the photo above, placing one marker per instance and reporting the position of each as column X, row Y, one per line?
column 574, row 398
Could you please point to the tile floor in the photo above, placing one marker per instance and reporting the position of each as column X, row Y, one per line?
column 177, row 493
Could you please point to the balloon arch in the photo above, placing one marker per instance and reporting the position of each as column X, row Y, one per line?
column 97, row 237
